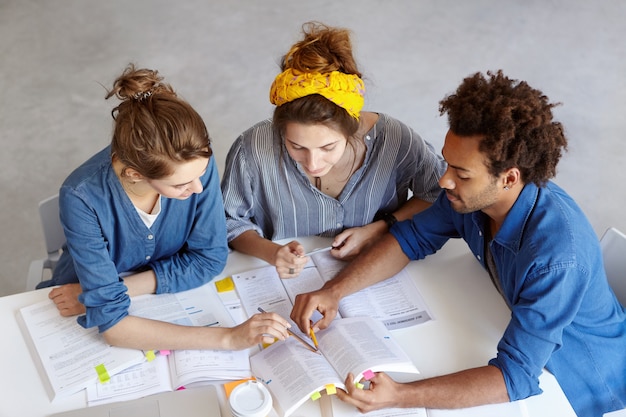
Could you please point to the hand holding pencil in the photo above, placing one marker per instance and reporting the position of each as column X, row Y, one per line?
column 301, row 340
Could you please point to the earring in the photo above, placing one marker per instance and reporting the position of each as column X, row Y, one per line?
column 506, row 188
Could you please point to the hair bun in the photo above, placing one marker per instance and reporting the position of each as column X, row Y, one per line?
column 138, row 84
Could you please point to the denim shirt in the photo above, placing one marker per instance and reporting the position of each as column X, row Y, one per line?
column 185, row 247
column 564, row 316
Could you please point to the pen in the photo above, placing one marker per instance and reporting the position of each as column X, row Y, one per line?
column 301, row 340
column 318, row 250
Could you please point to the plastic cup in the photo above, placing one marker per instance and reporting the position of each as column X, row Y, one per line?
column 250, row 399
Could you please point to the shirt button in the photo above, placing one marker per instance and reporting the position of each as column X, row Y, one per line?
column 150, row 237
column 480, row 233
column 368, row 137
column 478, row 257
column 338, row 224
column 148, row 258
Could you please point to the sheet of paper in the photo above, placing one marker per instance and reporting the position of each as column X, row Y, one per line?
column 359, row 344
column 69, row 354
column 263, row 288
column 196, row 307
column 395, row 301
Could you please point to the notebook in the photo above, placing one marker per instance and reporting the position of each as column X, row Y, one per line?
column 191, row 402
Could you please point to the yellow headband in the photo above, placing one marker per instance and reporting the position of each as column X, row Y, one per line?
column 345, row 90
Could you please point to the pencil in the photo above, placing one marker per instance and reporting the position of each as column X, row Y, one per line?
column 312, row 333
column 301, row 340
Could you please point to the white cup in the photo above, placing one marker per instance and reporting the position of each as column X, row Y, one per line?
column 250, row 399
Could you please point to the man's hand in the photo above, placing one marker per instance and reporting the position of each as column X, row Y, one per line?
column 383, row 392
column 351, row 242
column 323, row 300
column 66, row 299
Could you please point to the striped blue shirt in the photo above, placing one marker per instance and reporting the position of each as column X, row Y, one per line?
column 267, row 191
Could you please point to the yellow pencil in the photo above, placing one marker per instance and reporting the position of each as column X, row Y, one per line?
column 312, row 333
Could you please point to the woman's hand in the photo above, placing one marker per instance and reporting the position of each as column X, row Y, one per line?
column 290, row 260
column 260, row 328
column 66, row 299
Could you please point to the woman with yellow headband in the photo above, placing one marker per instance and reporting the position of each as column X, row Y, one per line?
column 321, row 165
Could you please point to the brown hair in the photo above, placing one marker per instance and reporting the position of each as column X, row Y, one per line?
column 515, row 120
column 323, row 49
column 153, row 127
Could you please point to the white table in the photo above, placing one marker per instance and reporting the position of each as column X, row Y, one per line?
column 470, row 316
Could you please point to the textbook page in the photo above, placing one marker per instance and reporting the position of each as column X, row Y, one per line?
column 395, row 301
column 262, row 287
column 70, row 357
column 360, row 345
column 172, row 370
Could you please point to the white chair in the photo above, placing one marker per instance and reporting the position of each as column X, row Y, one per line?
column 40, row 269
column 613, row 244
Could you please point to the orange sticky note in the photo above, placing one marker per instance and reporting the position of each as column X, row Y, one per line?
column 230, row 386
column 316, row 395
column 331, row 389
column 225, row 284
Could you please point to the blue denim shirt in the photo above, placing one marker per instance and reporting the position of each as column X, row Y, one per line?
column 185, row 247
column 564, row 315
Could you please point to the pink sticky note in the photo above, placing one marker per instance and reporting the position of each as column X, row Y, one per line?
column 368, row 374
column 164, row 352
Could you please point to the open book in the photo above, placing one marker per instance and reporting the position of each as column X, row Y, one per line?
column 177, row 369
column 360, row 345
column 395, row 301
column 69, row 357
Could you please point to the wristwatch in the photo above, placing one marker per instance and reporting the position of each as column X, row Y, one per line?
column 388, row 218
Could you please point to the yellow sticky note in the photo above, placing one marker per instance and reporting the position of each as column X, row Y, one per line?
column 331, row 389
column 316, row 395
column 103, row 375
column 150, row 355
column 225, row 284
column 359, row 385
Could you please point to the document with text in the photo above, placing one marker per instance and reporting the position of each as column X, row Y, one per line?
column 168, row 371
column 395, row 301
column 358, row 345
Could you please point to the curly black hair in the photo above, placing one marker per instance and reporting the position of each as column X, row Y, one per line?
column 516, row 122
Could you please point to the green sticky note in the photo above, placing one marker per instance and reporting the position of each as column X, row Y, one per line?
column 103, row 375
column 316, row 395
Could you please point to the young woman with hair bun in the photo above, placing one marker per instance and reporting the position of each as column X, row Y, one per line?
column 145, row 215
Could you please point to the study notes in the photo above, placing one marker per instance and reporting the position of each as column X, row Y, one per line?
column 395, row 301
column 360, row 345
column 168, row 371
column 69, row 357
